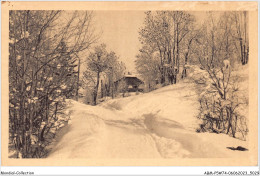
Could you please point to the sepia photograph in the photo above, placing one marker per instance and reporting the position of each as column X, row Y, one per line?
column 145, row 84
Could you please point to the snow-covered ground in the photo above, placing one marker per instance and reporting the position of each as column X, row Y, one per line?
column 159, row 124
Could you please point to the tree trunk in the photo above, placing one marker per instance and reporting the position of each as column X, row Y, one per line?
column 177, row 50
column 77, row 91
column 96, row 89
column 102, row 89
column 113, row 93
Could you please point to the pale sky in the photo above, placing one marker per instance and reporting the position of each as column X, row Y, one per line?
column 120, row 32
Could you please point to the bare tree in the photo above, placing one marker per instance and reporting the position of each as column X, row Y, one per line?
column 241, row 23
column 148, row 66
column 97, row 64
column 102, row 64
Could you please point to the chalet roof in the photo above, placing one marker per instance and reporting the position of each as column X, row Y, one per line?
column 130, row 77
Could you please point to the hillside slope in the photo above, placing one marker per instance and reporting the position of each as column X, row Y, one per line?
column 159, row 124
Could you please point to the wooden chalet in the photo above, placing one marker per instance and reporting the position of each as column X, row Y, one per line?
column 129, row 83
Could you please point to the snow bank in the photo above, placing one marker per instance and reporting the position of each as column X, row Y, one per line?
column 175, row 141
column 169, row 102
column 222, row 141
column 158, row 124
column 85, row 131
column 95, row 132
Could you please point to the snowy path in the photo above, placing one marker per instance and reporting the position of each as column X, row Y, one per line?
column 159, row 124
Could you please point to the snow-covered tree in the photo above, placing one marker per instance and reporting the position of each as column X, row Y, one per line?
column 221, row 98
column 148, row 66
column 42, row 73
column 105, row 65
column 167, row 33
